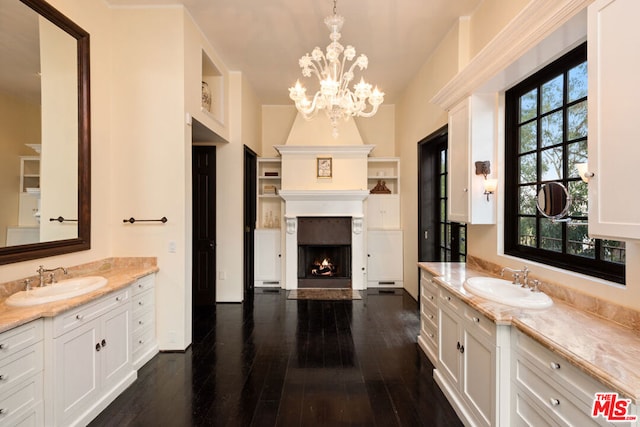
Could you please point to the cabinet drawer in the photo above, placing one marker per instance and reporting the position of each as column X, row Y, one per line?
column 554, row 400
column 142, row 340
column 143, row 284
column 18, row 401
column 143, row 302
column 557, row 369
column 143, row 320
column 450, row 300
column 429, row 313
column 81, row 315
column 478, row 322
column 16, row 339
column 20, row 365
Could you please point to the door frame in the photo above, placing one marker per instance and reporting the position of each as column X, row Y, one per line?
column 249, row 219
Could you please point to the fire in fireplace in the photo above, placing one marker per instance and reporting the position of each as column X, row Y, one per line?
column 324, row 252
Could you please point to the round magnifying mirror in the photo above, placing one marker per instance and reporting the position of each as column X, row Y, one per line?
column 554, row 200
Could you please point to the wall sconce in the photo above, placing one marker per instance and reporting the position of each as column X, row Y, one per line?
column 490, row 185
column 583, row 172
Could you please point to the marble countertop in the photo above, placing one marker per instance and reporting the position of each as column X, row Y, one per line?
column 605, row 350
column 119, row 275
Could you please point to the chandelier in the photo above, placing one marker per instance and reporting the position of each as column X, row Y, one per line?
column 335, row 74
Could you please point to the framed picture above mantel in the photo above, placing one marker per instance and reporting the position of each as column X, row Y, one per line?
column 324, row 167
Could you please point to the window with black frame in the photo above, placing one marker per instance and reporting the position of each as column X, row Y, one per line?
column 546, row 137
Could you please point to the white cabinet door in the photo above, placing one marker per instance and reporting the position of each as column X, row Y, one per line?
column 76, row 367
column 267, row 256
column 384, row 261
column 614, row 210
column 115, row 351
column 383, row 211
column 459, row 164
column 449, row 346
column 479, row 359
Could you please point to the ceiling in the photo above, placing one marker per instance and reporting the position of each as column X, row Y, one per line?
column 265, row 38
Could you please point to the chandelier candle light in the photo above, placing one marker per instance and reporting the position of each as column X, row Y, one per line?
column 335, row 96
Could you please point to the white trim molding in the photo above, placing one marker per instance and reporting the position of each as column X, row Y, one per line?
column 537, row 20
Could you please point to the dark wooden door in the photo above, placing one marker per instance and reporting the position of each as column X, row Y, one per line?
column 250, row 162
column 431, row 193
column 204, row 225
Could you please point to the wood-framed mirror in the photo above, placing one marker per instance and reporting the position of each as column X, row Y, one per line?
column 45, row 191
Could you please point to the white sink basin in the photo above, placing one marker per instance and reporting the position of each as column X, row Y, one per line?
column 504, row 292
column 64, row 289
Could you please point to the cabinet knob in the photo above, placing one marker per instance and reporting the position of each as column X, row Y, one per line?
column 554, row 365
column 104, row 343
column 140, row 341
column 554, row 402
column 431, row 316
column 461, row 349
column 118, row 298
column 79, row 317
column 458, row 346
column 3, row 411
column 140, row 285
column 3, row 346
column 140, row 322
column 98, row 347
column 476, row 319
column 431, row 297
column 2, row 377
column 140, row 302
column 466, row 190
column 448, row 298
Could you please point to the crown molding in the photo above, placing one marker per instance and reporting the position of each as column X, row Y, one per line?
column 533, row 24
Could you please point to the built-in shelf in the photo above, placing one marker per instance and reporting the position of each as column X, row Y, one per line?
column 269, row 206
column 212, row 89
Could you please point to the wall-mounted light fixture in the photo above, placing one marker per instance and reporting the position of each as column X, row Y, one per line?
column 583, row 172
column 490, row 185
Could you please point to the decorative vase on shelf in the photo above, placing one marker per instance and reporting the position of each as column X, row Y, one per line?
column 206, row 96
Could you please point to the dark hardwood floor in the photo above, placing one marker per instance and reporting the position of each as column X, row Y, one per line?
column 279, row 362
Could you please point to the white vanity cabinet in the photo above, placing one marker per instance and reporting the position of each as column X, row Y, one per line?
column 470, row 368
column 89, row 362
column 612, row 123
column 144, row 344
column 471, row 139
column 549, row 390
column 21, row 375
column 428, row 338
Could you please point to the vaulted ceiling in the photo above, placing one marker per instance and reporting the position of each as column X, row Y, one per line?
column 265, row 38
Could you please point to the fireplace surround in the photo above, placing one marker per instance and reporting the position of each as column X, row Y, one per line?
column 324, row 252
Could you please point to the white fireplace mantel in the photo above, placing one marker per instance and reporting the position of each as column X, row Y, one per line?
column 316, row 203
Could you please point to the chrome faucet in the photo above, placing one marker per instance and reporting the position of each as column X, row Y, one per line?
column 517, row 274
column 42, row 270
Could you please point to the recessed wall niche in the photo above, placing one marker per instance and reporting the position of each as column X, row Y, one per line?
column 212, row 89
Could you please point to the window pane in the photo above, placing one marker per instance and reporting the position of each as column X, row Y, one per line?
column 443, row 186
column 577, row 154
column 462, row 243
column 577, row 121
column 552, row 164
column 578, row 241
column 552, row 94
column 443, row 209
column 527, row 168
column 443, row 161
column 577, row 87
column 613, row 251
column 551, row 129
column 527, row 230
column 443, row 235
column 550, row 235
column 527, row 200
column 447, row 243
column 528, row 106
column 579, row 202
column 528, row 135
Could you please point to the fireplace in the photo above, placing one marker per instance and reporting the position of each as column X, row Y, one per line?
column 324, row 252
